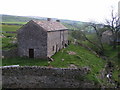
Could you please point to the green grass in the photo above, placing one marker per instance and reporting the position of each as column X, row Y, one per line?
column 82, row 58
column 10, row 27
column 10, row 34
column 11, row 18
column 24, row 62
column 15, row 22
column 112, row 55
column 110, row 52
column 6, row 42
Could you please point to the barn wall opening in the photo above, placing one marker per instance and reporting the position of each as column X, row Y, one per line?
column 31, row 53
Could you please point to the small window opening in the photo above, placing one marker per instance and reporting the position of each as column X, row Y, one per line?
column 53, row 48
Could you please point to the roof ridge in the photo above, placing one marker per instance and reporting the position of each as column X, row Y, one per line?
column 50, row 25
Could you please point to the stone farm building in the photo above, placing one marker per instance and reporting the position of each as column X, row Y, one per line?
column 41, row 39
column 107, row 37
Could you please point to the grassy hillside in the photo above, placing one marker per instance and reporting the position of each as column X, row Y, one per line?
column 113, row 57
column 11, row 18
column 82, row 57
column 71, row 24
column 10, row 27
column 9, row 37
column 21, row 23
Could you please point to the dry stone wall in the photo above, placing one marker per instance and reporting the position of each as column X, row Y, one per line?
column 10, row 53
column 43, row 77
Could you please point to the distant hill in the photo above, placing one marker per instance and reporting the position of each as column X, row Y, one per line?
column 71, row 24
column 54, row 19
column 12, row 18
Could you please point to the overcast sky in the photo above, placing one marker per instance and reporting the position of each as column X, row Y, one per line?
column 81, row 10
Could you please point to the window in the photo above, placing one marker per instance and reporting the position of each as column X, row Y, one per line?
column 53, row 48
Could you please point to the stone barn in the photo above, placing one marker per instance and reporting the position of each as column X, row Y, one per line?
column 41, row 39
column 107, row 37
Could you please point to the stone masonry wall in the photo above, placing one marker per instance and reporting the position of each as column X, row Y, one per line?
column 31, row 36
column 43, row 77
column 10, row 53
column 56, row 41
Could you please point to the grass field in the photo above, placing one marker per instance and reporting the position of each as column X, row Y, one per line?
column 9, row 37
column 80, row 59
column 15, row 22
column 24, row 62
column 10, row 27
column 7, row 43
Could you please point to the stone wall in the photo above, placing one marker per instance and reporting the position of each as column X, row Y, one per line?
column 43, row 77
column 31, row 36
column 56, row 40
column 10, row 53
column 11, row 24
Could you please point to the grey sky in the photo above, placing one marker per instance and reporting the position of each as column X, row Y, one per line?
column 81, row 10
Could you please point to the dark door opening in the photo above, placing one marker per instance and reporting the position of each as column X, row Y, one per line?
column 31, row 53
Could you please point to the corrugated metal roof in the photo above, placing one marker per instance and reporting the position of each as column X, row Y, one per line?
column 50, row 25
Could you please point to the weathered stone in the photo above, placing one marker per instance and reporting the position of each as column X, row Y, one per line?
column 42, row 77
column 41, row 39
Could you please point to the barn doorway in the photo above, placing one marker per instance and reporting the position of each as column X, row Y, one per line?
column 31, row 53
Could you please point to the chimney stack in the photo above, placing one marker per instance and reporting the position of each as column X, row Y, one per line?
column 48, row 19
column 57, row 20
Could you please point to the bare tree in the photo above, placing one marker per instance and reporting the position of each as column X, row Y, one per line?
column 98, row 32
column 114, row 26
column 82, row 34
